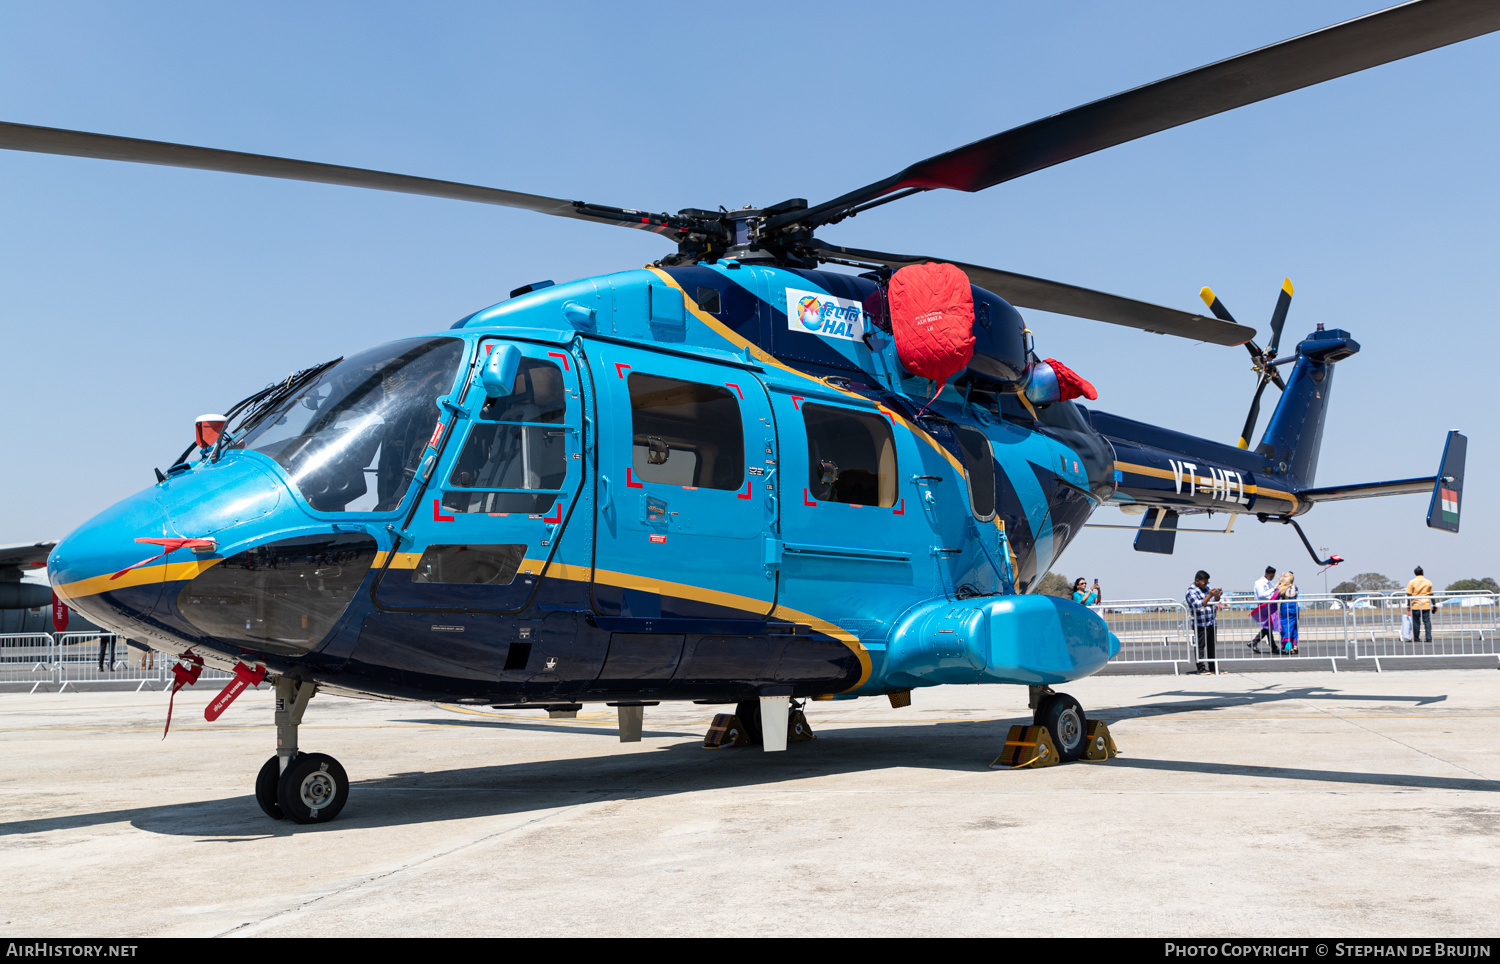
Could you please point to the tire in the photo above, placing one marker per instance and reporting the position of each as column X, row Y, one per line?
column 749, row 713
column 313, row 789
column 1063, row 717
column 266, row 782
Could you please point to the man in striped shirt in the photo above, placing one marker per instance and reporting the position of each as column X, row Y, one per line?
column 1203, row 603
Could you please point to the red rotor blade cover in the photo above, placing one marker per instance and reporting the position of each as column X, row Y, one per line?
column 1072, row 383
column 932, row 319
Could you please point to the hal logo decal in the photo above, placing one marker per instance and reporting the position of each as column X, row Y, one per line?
column 824, row 315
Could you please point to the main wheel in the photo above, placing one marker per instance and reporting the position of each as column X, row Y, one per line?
column 313, row 789
column 749, row 713
column 1063, row 718
column 266, row 782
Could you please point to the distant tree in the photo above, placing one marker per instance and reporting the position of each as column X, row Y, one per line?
column 1374, row 582
column 1346, row 586
column 1467, row 585
column 1054, row 585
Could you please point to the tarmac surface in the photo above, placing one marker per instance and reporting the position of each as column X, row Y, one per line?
column 1301, row 804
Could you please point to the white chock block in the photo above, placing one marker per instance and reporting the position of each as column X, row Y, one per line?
column 774, row 714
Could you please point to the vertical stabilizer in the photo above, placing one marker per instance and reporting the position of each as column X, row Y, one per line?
column 1448, row 490
column 1295, row 434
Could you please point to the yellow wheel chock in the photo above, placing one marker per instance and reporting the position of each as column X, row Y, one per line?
column 1026, row 746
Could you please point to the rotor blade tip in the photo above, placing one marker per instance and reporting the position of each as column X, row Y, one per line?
column 1207, row 294
column 1286, row 285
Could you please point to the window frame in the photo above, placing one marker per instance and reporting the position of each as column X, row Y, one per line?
column 862, row 416
column 716, row 393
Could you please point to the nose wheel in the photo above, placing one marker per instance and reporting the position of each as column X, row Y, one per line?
column 303, row 787
column 313, row 789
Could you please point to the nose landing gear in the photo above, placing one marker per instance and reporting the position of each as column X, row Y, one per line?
column 1063, row 717
column 307, row 787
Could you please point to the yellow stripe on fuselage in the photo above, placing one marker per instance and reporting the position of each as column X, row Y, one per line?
column 753, row 608
column 144, row 576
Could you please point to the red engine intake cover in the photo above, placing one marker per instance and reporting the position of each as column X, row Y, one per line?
column 932, row 319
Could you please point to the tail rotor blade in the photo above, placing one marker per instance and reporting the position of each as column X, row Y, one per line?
column 1215, row 305
column 1222, row 313
column 1249, row 428
column 1278, row 317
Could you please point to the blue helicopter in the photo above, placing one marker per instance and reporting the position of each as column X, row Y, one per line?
column 714, row 479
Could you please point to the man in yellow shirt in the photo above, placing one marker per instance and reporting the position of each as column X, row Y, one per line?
column 1419, row 598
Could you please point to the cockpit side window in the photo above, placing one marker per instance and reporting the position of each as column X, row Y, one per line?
column 515, row 458
column 538, row 396
column 851, row 456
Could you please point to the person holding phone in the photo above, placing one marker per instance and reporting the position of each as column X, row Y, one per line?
column 1203, row 603
column 1083, row 595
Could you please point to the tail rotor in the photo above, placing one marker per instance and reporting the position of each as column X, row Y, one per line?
column 1260, row 360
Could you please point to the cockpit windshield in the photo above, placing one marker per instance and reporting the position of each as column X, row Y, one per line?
column 369, row 415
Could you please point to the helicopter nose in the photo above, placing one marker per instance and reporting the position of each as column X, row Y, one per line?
column 91, row 570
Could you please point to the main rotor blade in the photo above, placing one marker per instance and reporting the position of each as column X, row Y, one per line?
column 1025, row 291
column 1312, row 58
column 51, row 140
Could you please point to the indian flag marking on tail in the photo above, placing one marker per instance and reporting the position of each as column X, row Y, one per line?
column 1450, row 505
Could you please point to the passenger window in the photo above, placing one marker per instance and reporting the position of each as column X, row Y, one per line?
column 517, row 448
column 979, row 463
column 851, row 456
column 469, row 565
column 685, row 433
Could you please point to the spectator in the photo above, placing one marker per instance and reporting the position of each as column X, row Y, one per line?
column 1083, row 595
column 1287, row 608
column 1203, row 603
column 148, row 655
column 107, row 641
column 1264, row 612
column 1419, row 598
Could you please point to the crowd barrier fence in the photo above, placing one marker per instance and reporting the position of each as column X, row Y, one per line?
column 1151, row 631
column 69, row 659
column 1322, row 626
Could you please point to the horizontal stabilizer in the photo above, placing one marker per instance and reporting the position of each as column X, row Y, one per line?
column 1158, row 532
column 1367, row 490
column 1448, row 488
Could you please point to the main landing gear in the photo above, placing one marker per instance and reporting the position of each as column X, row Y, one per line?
column 1063, row 717
column 307, row 787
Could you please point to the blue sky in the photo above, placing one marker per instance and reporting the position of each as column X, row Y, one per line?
column 134, row 298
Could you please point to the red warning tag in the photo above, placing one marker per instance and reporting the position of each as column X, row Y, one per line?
column 243, row 676
column 658, row 537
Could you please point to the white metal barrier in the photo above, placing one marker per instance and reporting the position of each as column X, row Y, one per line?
column 1160, row 631
column 94, row 657
column 68, row 659
column 1315, row 626
column 1310, row 627
column 1457, row 624
column 1150, row 631
column 26, row 658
